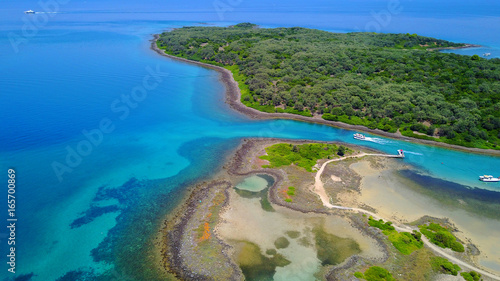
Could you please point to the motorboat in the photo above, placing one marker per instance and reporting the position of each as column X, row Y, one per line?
column 488, row 178
column 359, row 136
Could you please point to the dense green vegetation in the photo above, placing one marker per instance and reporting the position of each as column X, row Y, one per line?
column 405, row 242
column 304, row 155
column 385, row 81
column 375, row 273
column 441, row 237
column 471, row 276
column 380, row 224
column 342, row 150
column 444, row 266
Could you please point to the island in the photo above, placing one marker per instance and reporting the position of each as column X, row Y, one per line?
column 390, row 84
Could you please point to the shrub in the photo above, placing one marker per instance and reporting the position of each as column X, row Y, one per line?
column 358, row 275
column 375, row 273
column 305, row 155
column 444, row 266
column 341, row 150
column 330, row 117
column 405, row 242
column 380, row 224
column 441, row 237
column 471, row 276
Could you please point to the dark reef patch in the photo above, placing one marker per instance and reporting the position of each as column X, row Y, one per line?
column 293, row 234
column 78, row 275
column 24, row 277
column 143, row 205
column 255, row 265
column 333, row 250
column 476, row 200
column 92, row 213
column 281, row 243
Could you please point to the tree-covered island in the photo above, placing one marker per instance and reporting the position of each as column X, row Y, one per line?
column 387, row 81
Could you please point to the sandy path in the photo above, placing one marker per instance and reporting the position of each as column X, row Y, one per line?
column 319, row 189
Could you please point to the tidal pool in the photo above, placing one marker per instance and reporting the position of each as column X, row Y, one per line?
column 254, row 183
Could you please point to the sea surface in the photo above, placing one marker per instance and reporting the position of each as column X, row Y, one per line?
column 105, row 135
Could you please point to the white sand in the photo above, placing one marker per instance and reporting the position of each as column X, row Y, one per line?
column 392, row 199
column 335, row 178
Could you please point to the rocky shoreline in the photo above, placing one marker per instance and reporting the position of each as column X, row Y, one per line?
column 233, row 98
column 466, row 46
column 184, row 256
column 175, row 257
column 174, row 261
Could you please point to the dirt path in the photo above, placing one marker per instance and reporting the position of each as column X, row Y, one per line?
column 319, row 189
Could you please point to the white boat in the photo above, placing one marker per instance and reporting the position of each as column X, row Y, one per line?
column 488, row 178
column 359, row 136
column 29, row 12
column 486, row 54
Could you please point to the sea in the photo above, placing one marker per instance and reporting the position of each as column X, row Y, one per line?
column 103, row 135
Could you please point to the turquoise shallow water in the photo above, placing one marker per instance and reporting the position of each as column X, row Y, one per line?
column 253, row 183
column 71, row 75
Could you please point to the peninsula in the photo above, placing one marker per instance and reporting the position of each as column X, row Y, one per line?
column 388, row 84
column 304, row 210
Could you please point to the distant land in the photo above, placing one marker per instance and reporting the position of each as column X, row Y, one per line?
column 392, row 83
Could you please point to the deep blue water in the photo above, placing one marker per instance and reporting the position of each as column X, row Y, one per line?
column 73, row 70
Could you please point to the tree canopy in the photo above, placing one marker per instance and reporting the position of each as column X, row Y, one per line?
column 385, row 81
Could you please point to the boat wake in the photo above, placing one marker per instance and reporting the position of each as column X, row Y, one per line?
column 377, row 140
column 414, row 153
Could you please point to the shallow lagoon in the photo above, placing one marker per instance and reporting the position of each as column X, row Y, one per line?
column 253, row 183
column 64, row 80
